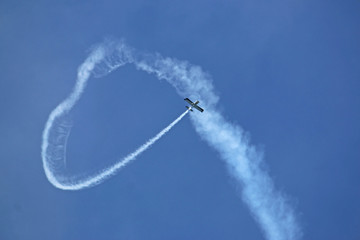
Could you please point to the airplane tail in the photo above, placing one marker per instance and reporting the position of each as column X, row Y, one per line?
column 189, row 108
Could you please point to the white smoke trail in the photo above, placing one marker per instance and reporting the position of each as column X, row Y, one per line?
column 56, row 133
column 270, row 208
column 67, row 184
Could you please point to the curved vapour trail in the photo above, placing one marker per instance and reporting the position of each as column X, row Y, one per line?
column 269, row 208
column 57, row 131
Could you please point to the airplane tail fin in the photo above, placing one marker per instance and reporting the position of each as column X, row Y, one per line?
column 189, row 108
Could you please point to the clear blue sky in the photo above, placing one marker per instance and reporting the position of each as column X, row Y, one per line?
column 287, row 72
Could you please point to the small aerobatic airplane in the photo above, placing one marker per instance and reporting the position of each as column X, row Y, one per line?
column 193, row 105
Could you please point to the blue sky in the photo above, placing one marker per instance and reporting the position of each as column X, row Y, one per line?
column 287, row 72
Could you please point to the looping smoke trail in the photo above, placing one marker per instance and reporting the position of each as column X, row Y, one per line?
column 269, row 208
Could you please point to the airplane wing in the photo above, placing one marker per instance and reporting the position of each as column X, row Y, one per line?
column 189, row 101
column 198, row 108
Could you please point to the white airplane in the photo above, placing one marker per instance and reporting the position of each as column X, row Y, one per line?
column 193, row 105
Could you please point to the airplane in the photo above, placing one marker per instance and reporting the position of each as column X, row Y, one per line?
column 193, row 105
